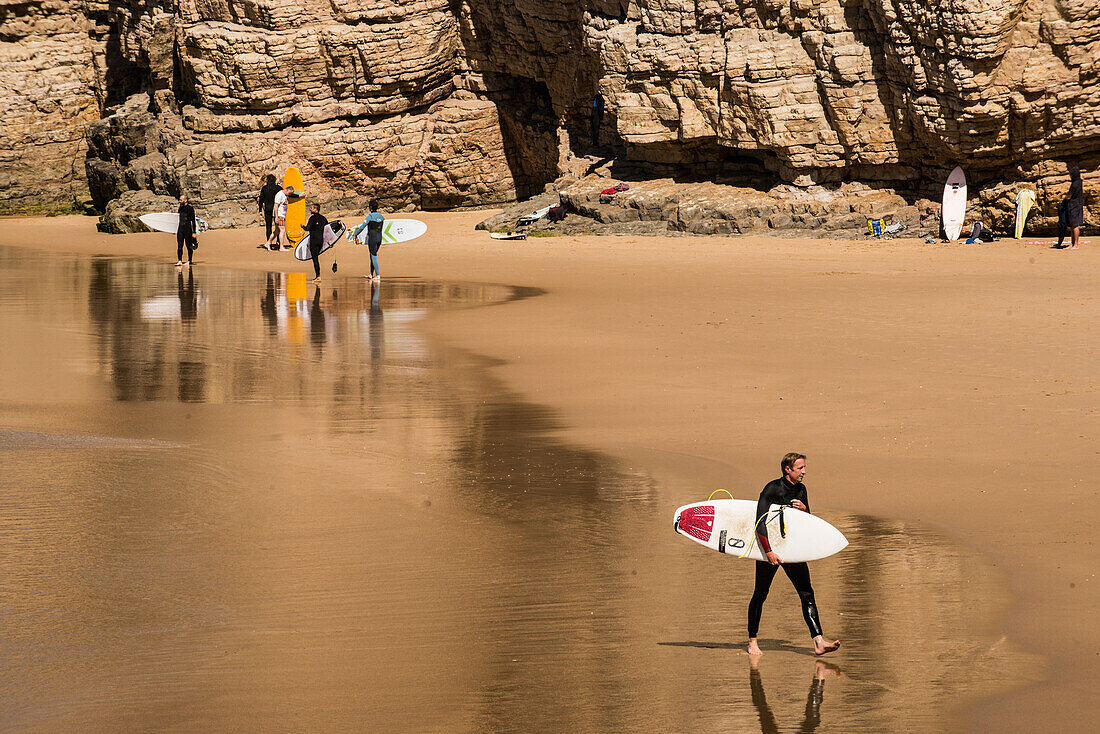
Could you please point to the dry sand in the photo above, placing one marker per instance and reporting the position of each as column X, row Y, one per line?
column 949, row 385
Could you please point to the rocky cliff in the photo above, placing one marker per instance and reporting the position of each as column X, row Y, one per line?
column 451, row 103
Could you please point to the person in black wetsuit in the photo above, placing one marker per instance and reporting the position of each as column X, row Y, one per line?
column 1075, row 208
column 596, row 118
column 315, row 228
column 185, row 231
column 787, row 491
column 266, row 203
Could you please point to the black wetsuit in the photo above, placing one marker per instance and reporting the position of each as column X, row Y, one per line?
column 781, row 492
column 316, row 229
column 1075, row 203
column 185, row 231
column 596, row 119
column 267, row 204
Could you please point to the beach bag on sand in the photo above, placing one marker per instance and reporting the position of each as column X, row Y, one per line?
column 876, row 227
column 556, row 213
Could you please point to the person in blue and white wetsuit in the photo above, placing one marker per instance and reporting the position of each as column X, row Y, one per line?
column 373, row 224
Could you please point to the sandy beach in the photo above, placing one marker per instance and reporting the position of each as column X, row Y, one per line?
column 946, row 387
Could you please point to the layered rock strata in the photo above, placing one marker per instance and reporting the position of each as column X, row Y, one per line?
column 438, row 104
column 47, row 99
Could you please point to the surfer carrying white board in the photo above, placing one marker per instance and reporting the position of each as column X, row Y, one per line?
column 787, row 491
column 315, row 228
column 185, row 231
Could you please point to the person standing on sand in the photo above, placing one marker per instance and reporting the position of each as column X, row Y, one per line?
column 185, row 231
column 266, row 203
column 315, row 228
column 1075, row 207
column 282, row 199
column 788, row 491
column 374, row 237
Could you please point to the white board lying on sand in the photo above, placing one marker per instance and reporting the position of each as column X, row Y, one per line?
column 508, row 235
column 168, row 222
column 728, row 526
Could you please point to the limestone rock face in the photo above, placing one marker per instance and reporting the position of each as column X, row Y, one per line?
column 47, row 98
column 453, row 103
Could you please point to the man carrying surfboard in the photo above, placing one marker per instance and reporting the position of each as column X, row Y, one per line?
column 185, row 232
column 787, row 491
column 315, row 227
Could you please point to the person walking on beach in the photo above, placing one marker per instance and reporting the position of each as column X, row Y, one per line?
column 787, row 491
column 185, row 231
column 1075, row 207
column 315, row 228
column 266, row 203
column 374, row 224
column 282, row 199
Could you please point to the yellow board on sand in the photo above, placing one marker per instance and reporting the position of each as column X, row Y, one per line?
column 296, row 208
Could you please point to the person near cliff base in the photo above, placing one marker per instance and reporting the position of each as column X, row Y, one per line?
column 266, row 203
column 596, row 119
column 1063, row 226
column 315, row 228
column 1075, row 207
column 282, row 200
column 185, row 232
column 788, row 491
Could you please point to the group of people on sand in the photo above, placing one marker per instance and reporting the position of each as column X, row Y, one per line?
column 273, row 202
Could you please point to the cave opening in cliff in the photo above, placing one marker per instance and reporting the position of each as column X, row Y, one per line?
column 122, row 77
column 528, row 126
column 696, row 162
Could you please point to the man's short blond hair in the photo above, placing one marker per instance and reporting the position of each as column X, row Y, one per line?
column 789, row 460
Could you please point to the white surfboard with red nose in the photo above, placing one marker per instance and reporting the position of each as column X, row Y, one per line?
column 727, row 526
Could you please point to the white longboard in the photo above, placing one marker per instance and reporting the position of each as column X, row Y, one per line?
column 954, row 204
column 333, row 232
column 168, row 222
column 397, row 230
column 1024, row 201
column 728, row 526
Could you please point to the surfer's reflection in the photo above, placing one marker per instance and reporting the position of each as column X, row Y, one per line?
column 376, row 327
column 317, row 320
column 812, row 716
column 189, row 304
column 267, row 304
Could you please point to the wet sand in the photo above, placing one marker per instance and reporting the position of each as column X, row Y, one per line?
column 948, row 390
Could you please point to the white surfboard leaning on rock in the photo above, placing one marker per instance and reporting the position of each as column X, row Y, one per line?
column 397, row 230
column 728, row 526
column 169, row 222
column 1024, row 201
column 954, row 204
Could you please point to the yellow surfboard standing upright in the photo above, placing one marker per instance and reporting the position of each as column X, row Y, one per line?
column 296, row 208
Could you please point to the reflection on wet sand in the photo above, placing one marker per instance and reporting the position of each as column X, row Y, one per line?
column 811, row 717
column 289, row 511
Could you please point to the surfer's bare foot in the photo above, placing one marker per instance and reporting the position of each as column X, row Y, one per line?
column 179, row 263
column 317, row 279
column 821, row 647
column 753, row 648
